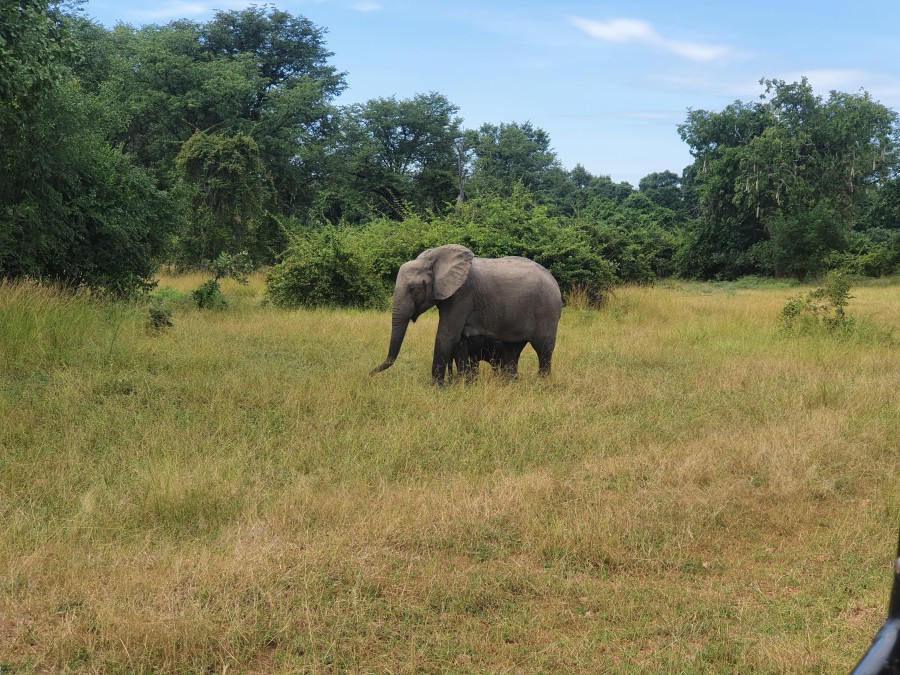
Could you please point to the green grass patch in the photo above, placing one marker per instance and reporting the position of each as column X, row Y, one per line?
column 690, row 491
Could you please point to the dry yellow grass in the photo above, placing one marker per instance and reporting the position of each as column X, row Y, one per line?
column 689, row 492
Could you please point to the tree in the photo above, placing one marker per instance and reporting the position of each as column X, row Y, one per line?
column 663, row 188
column 72, row 208
column 573, row 191
column 36, row 48
column 229, row 192
column 286, row 51
column 293, row 87
column 260, row 72
column 321, row 270
column 395, row 155
column 780, row 182
column 508, row 155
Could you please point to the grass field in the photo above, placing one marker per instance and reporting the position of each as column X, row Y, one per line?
column 690, row 491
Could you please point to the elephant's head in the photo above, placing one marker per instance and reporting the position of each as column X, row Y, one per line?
column 421, row 283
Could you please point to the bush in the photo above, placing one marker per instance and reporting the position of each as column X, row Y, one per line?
column 873, row 253
column 159, row 316
column 237, row 266
column 209, row 295
column 321, row 270
column 825, row 307
column 491, row 227
column 517, row 225
column 171, row 297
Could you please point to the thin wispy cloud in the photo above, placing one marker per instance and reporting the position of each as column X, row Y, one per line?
column 173, row 9
column 745, row 86
column 181, row 9
column 368, row 6
column 635, row 30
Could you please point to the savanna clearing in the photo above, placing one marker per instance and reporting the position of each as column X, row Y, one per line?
column 690, row 491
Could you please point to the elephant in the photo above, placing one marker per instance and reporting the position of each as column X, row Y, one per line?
column 511, row 300
column 503, row 356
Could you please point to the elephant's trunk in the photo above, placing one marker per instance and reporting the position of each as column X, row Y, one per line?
column 399, row 321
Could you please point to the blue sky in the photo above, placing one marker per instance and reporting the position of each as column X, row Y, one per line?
column 608, row 81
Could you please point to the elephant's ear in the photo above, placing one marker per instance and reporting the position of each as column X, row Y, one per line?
column 451, row 267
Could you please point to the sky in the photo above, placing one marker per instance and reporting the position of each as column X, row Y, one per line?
column 608, row 81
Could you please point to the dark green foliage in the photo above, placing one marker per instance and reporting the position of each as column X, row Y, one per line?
column 320, row 270
column 664, row 189
column 572, row 193
column 640, row 254
column 285, row 49
column 509, row 155
column 874, row 252
column 74, row 209
column 393, row 157
column 781, row 182
column 638, row 235
column 493, row 227
column 351, row 266
column 180, row 143
column 236, row 266
column 229, row 190
column 208, row 295
column 258, row 71
column 288, row 111
column 800, row 243
column 36, row 49
column 231, row 115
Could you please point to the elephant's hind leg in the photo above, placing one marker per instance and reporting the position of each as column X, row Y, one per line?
column 544, row 348
column 509, row 361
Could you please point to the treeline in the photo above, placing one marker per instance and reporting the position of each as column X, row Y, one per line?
column 182, row 143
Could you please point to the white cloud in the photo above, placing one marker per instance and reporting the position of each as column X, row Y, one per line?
column 634, row 30
column 617, row 30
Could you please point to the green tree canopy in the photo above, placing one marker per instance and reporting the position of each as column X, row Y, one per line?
column 260, row 72
column 72, row 208
column 394, row 155
column 506, row 155
column 779, row 182
column 663, row 188
column 229, row 191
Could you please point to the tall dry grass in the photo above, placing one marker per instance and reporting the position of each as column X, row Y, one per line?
column 690, row 491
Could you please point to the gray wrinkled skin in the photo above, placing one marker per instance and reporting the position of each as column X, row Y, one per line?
column 511, row 300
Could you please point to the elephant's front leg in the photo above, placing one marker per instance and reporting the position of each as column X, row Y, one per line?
column 452, row 318
column 443, row 353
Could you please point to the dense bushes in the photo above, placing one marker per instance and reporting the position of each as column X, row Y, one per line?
column 356, row 266
column 320, row 270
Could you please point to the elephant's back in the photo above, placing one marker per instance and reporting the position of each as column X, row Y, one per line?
column 517, row 292
column 516, row 269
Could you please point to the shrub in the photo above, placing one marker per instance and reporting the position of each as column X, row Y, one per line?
column 825, row 306
column 159, row 316
column 319, row 270
column 873, row 253
column 209, row 295
column 237, row 266
column 171, row 297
